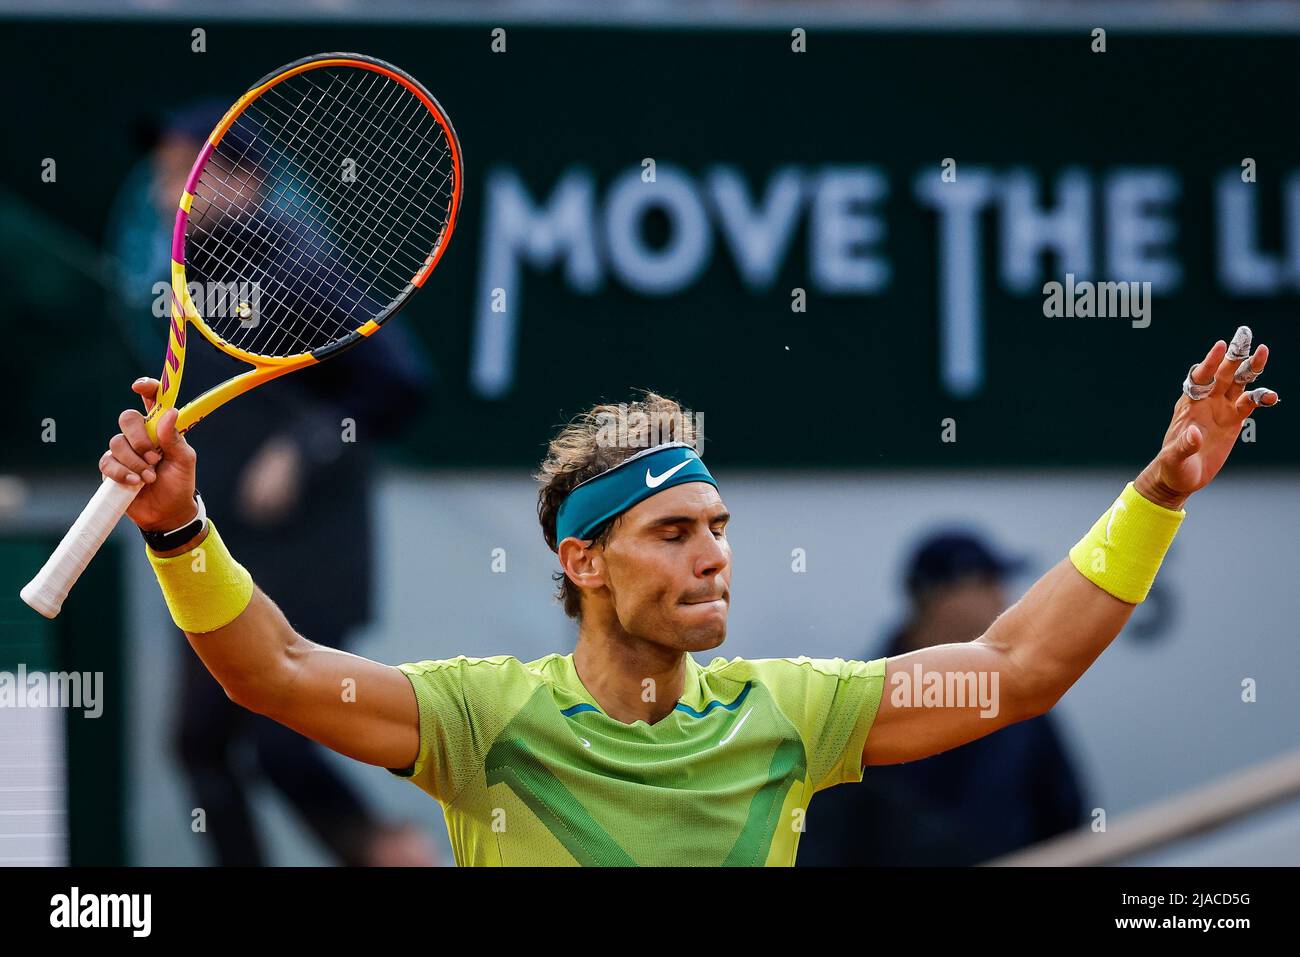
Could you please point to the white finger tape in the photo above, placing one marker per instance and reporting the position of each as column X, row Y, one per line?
column 1245, row 373
column 1194, row 390
column 1239, row 348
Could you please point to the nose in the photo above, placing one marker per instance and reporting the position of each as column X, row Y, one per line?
column 713, row 558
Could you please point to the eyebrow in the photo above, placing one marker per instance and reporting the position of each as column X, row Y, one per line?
column 687, row 520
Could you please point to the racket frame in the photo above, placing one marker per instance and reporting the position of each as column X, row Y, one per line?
column 183, row 309
column 47, row 591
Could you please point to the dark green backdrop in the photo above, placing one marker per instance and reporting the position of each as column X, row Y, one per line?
column 859, row 383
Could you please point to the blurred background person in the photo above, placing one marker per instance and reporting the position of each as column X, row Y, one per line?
column 287, row 496
column 970, row 804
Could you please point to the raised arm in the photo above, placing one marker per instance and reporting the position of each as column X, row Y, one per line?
column 350, row 704
column 1038, row 648
column 1026, row 660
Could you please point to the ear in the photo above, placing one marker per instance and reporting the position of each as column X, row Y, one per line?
column 585, row 565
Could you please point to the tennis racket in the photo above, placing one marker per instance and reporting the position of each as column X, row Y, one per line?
column 317, row 207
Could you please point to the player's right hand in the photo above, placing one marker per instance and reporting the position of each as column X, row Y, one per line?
column 167, row 473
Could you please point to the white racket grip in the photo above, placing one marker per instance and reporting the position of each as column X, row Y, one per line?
column 52, row 583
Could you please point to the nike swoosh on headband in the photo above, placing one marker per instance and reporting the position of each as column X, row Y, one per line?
column 654, row 481
column 614, row 491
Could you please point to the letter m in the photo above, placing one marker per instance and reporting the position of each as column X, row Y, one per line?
column 1107, row 294
column 517, row 231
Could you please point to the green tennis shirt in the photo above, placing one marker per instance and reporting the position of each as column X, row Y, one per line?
column 530, row 771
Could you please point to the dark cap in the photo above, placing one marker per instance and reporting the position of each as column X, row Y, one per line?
column 243, row 141
column 949, row 556
column 194, row 121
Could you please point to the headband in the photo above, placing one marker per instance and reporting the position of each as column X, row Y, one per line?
column 614, row 491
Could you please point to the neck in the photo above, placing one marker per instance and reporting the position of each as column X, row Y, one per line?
column 630, row 678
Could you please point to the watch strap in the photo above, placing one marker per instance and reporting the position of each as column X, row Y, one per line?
column 167, row 541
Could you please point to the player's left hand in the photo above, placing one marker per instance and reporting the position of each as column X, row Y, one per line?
column 1203, row 431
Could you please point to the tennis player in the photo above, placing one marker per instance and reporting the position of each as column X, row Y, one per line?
column 627, row 751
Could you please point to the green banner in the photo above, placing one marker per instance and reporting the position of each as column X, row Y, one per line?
column 875, row 249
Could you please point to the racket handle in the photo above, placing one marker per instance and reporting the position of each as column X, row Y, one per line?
column 52, row 583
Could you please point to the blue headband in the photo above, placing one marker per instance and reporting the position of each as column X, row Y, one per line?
column 614, row 491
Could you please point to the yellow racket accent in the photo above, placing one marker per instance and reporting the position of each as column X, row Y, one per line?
column 265, row 368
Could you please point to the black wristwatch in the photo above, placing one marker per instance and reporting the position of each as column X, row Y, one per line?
column 166, row 541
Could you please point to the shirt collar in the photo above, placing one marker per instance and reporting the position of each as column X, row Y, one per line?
column 693, row 691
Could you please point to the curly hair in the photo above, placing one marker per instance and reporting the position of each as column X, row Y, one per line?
column 594, row 442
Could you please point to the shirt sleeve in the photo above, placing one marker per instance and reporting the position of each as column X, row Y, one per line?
column 833, row 703
column 464, row 704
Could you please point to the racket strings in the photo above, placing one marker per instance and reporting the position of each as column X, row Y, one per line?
column 347, row 202
column 300, row 249
column 361, row 198
column 401, row 121
column 258, row 242
column 369, row 145
column 325, row 251
column 233, row 262
column 294, row 196
column 414, row 108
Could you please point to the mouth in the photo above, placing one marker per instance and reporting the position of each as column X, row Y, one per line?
column 720, row 601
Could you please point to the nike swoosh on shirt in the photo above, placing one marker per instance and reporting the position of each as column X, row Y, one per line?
column 743, row 718
column 585, row 742
column 654, row 481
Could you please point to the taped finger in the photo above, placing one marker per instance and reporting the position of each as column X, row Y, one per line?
column 1196, row 390
column 1239, row 348
column 1245, row 373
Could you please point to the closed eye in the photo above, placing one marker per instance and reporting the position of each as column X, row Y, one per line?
column 676, row 528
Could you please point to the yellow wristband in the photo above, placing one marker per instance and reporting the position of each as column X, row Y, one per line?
column 1123, row 551
column 205, row 588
